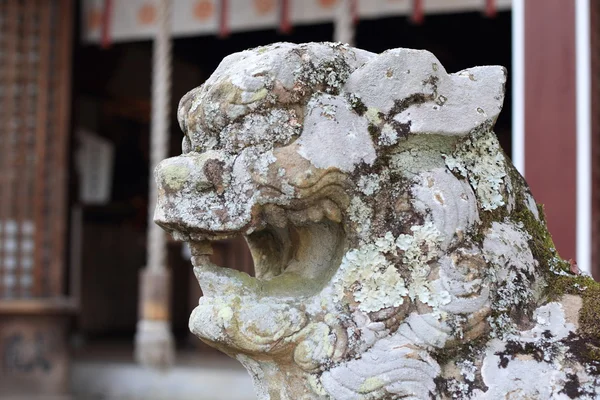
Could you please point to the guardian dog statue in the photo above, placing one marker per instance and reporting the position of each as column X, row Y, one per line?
column 397, row 251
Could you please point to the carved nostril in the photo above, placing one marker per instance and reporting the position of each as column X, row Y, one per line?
column 213, row 171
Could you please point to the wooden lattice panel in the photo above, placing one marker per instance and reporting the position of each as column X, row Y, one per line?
column 35, row 49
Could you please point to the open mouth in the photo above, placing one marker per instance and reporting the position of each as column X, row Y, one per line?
column 296, row 258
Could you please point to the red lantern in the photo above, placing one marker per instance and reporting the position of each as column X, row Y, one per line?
column 224, row 19
column 490, row 8
column 285, row 26
column 105, row 42
column 417, row 12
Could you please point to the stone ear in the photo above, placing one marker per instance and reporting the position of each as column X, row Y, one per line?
column 424, row 97
column 402, row 74
column 186, row 121
column 463, row 101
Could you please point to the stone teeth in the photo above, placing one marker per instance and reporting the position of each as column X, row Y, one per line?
column 275, row 216
column 298, row 217
column 278, row 217
column 203, row 248
column 315, row 213
column 331, row 211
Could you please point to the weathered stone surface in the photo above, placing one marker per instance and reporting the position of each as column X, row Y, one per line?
column 398, row 253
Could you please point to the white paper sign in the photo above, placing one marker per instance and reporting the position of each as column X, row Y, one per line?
column 95, row 157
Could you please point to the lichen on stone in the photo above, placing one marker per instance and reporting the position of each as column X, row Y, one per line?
column 374, row 280
column 479, row 159
column 279, row 125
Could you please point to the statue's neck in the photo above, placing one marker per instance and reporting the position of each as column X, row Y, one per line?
column 274, row 381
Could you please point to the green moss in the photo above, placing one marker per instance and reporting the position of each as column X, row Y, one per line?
column 560, row 281
column 555, row 272
column 487, row 217
column 541, row 243
column 464, row 351
column 587, row 346
column 518, row 183
column 374, row 131
column 357, row 105
column 589, row 290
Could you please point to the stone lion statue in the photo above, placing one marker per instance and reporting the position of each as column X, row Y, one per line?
column 397, row 252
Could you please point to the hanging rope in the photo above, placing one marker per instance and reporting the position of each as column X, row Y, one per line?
column 418, row 15
column 344, row 24
column 154, row 344
column 159, row 129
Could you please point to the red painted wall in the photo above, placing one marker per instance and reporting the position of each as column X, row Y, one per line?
column 550, row 125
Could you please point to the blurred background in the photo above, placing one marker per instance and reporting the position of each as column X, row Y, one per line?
column 86, row 111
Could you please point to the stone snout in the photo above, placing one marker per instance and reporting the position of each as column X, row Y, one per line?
column 196, row 196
